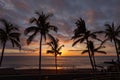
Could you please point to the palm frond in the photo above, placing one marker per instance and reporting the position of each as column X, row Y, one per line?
column 38, row 13
column 108, row 26
column 56, row 43
column 75, row 42
column 81, row 23
column 4, row 22
column 2, row 31
column 76, row 36
column 55, row 46
column 60, row 47
column 85, row 51
column 98, row 32
column 118, row 29
column 43, row 15
column 82, row 40
column 14, row 42
column 31, row 29
column 3, row 36
column 49, row 15
column 13, row 27
column 59, row 53
column 33, row 19
column 50, row 51
column 44, row 35
column 10, row 32
column 15, row 34
column 31, row 37
column 95, row 37
column 50, row 37
column 101, row 52
column 54, row 28
column 113, row 26
column 51, row 45
column 118, row 42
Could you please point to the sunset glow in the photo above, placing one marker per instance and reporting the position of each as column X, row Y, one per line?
column 65, row 13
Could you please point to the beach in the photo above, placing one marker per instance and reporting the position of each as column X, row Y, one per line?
column 69, row 68
column 50, row 74
column 33, row 74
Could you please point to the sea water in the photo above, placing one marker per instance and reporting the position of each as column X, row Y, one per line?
column 48, row 62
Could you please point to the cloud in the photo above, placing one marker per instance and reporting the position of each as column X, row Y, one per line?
column 95, row 13
column 7, row 4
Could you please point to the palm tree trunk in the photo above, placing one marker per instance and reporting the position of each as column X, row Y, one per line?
column 90, row 57
column 118, row 68
column 116, row 50
column 56, row 63
column 2, row 55
column 40, row 50
column 94, row 61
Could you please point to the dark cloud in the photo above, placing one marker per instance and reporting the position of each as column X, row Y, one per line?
column 95, row 12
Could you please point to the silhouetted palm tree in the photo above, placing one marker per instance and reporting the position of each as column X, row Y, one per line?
column 113, row 35
column 81, row 34
column 118, row 42
column 55, row 49
column 41, row 26
column 93, row 50
column 8, row 33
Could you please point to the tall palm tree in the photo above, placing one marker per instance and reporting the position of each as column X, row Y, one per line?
column 113, row 34
column 93, row 50
column 8, row 33
column 118, row 46
column 41, row 26
column 81, row 34
column 55, row 49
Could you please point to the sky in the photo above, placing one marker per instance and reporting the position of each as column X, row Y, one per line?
column 96, row 13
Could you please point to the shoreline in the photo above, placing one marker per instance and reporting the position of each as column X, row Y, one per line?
column 11, row 71
column 47, row 74
column 50, row 74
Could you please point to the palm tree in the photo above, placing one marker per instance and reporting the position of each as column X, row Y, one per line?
column 8, row 33
column 118, row 42
column 55, row 49
column 81, row 34
column 93, row 50
column 41, row 26
column 113, row 35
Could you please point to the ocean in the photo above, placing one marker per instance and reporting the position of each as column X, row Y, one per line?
column 64, row 62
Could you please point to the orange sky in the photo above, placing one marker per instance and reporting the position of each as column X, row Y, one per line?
column 68, row 50
column 96, row 13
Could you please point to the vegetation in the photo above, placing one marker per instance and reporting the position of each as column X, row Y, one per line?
column 93, row 50
column 55, row 49
column 112, row 34
column 41, row 26
column 81, row 34
column 9, row 32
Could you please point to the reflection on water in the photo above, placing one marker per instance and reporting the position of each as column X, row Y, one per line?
column 25, row 62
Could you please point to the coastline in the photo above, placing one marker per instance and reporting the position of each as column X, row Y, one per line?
column 48, row 62
column 50, row 74
column 11, row 71
column 33, row 74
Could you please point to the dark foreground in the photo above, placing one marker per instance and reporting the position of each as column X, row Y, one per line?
column 33, row 74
